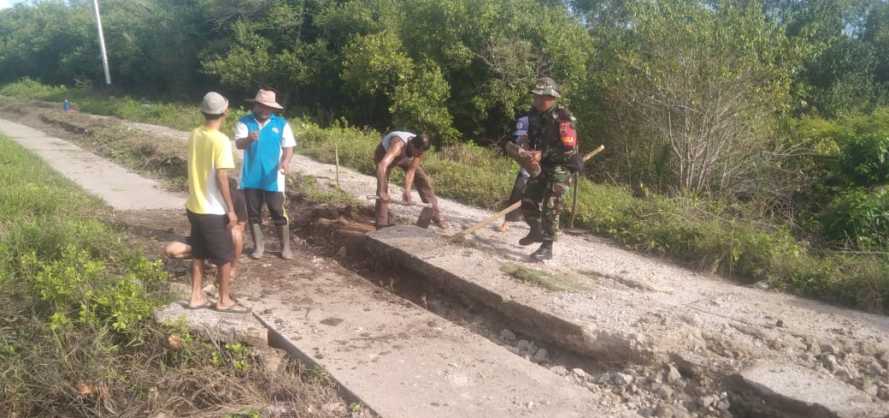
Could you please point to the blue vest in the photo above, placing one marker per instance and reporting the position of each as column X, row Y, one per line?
column 261, row 158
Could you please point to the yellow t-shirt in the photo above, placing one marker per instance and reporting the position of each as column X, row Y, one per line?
column 208, row 151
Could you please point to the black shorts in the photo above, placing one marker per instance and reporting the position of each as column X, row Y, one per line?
column 210, row 238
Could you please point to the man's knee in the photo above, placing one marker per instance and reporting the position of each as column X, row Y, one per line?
column 238, row 231
column 177, row 250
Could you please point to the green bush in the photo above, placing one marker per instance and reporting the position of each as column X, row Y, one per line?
column 72, row 268
column 865, row 158
column 859, row 217
column 30, row 89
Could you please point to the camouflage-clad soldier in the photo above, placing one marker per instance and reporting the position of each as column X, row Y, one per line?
column 551, row 132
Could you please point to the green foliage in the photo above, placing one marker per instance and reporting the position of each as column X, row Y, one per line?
column 26, row 87
column 234, row 355
column 420, row 100
column 863, row 141
column 865, row 158
column 63, row 263
column 859, row 217
column 384, row 63
column 683, row 68
column 79, row 289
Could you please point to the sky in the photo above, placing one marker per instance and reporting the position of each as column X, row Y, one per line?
column 8, row 3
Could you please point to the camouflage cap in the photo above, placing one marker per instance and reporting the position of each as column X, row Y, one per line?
column 546, row 86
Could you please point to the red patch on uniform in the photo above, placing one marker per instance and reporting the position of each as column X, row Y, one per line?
column 569, row 136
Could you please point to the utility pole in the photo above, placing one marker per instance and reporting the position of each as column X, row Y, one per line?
column 102, row 43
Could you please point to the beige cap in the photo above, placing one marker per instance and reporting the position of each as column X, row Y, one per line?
column 214, row 104
column 267, row 98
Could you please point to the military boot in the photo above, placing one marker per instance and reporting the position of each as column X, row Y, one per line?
column 258, row 241
column 545, row 252
column 535, row 235
column 284, row 236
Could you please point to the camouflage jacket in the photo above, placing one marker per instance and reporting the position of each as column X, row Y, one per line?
column 545, row 135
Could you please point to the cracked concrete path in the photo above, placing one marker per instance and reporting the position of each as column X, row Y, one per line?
column 117, row 186
column 400, row 359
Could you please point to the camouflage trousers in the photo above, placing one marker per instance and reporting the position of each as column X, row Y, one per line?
column 543, row 199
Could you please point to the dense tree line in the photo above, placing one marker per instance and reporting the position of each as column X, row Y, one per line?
column 776, row 102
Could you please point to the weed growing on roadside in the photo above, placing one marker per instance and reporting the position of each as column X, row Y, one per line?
column 309, row 187
column 539, row 278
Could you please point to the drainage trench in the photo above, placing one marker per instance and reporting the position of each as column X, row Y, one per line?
column 659, row 386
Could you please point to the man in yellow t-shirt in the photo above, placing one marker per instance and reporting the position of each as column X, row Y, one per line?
column 211, row 212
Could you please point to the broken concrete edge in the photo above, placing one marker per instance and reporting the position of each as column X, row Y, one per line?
column 213, row 331
column 758, row 401
column 277, row 340
column 785, row 390
column 170, row 314
column 603, row 345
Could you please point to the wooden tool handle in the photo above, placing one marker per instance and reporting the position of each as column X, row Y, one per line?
column 487, row 221
column 593, row 153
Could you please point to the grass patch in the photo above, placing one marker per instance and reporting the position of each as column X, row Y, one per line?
column 540, row 278
column 180, row 116
column 702, row 234
column 76, row 334
column 132, row 148
column 309, row 189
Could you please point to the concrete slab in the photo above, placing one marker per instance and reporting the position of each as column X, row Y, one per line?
column 120, row 188
column 478, row 275
column 402, row 361
column 791, row 391
column 216, row 326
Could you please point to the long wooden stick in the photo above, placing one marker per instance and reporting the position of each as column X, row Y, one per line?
column 487, row 221
column 593, row 153
column 336, row 154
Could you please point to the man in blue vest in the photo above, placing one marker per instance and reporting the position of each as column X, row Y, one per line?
column 268, row 142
